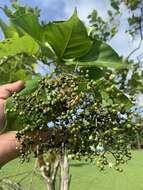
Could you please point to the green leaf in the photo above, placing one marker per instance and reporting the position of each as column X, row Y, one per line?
column 30, row 86
column 106, row 99
column 47, row 51
column 8, row 31
column 93, row 52
column 68, row 39
column 122, row 98
column 93, row 72
column 111, row 94
column 13, row 46
column 107, row 57
column 28, row 21
column 21, row 74
column 12, row 117
column 4, row 76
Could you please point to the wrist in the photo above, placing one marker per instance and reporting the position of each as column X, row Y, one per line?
column 8, row 147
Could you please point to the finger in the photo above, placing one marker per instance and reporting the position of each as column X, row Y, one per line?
column 8, row 89
column 4, row 93
column 14, row 87
column 2, row 115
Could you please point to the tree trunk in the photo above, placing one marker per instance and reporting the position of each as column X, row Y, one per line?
column 50, row 167
column 64, row 166
column 49, row 171
column 50, row 185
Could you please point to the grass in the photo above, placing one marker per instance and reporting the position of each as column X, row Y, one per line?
column 86, row 176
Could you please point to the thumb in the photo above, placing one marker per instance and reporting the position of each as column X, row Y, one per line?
column 14, row 87
column 7, row 89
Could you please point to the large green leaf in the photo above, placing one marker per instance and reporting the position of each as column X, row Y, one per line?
column 68, row 39
column 13, row 46
column 105, row 56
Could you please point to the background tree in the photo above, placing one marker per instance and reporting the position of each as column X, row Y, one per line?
column 129, row 80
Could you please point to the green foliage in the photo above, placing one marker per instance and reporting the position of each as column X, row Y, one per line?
column 134, row 85
column 93, row 72
column 103, row 30
column 115, row 4
column 72, row 40
column 92, row 54
column 82, row 107
column 13, row 46
column 132, row 4
column 134, row 19
column 71, row 36
column 19, row 67
column 126, row 78
column 112, row 95
column 107, row 29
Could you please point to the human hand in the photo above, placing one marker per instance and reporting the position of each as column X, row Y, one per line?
column 8, row 142
column 5, row 92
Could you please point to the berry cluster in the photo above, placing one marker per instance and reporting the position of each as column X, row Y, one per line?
column 65, row 109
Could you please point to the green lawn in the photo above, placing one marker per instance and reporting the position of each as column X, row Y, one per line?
column 86, row 176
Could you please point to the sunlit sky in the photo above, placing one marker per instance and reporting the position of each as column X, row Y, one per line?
column 62, row 9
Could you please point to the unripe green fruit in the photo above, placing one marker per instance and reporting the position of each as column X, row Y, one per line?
column 112, row 76
column 87, row 75
column 78, row 117
column 129, row 126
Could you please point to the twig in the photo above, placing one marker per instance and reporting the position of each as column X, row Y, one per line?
column 141, row 36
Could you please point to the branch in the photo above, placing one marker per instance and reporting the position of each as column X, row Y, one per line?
column 141, row 35
column 55, row 168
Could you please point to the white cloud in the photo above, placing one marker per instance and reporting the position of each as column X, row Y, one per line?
column 85, row 7
column 139, row 101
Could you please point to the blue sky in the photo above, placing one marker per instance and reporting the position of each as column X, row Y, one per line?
column 61, row 9
column 50, row 9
